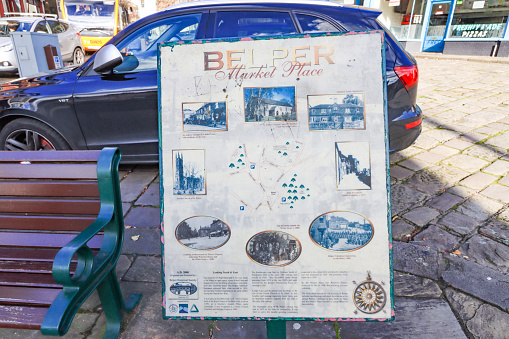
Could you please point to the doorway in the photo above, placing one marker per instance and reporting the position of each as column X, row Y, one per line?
column 437, row 26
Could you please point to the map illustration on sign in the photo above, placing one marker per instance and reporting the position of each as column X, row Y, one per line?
column 269, row 104
column 273, row 248
column 204, row 116
column 336, row 111
column 189, row 172
column 353, row 167
column 202, row 233
column 341, row 231
column 266, row 176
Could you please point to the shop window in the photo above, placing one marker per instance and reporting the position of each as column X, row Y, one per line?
column 479, row 19
column 405, row 18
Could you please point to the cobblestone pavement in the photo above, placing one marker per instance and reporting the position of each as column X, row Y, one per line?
column 450, row 196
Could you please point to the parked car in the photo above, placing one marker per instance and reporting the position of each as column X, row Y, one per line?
column 111, row 100
column 68, row 38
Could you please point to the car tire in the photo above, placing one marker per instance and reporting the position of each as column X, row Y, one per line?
column 30, row 135
column 78, row 56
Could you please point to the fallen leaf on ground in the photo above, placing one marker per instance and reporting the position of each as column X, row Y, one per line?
column 126, row 226
column 457, row 252
column 135, row 237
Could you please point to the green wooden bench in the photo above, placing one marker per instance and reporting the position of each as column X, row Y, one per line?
column 61, row 233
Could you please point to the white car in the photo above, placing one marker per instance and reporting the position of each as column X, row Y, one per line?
column 68, row 38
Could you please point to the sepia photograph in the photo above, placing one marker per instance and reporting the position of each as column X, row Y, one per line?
column 202, row 233
column 341, row 231
column 204, row 116
column 189, row 172
column 336, row 111
column 269, row 104
column 273, row 248
column 353, row 169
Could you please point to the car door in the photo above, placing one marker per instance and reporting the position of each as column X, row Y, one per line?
column 64, row 39
column 121, row 109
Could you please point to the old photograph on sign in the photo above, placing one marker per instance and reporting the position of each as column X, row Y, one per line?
column 189, row 172
column 341, row 231
column 269, row 104
column 202, row 233
column 204, row 116
column 273, row 248
column 353, row 169
column 336, row 111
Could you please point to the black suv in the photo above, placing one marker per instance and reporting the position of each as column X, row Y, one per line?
column 79, row 108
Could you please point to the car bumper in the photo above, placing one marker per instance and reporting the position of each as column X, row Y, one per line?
column 403, row 132
column 8, row 62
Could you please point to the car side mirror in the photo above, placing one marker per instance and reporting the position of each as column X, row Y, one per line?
column 106, row 59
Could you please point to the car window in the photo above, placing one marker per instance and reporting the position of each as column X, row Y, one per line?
column 252, row 23
column 310, row 24
column 56, row 27
column 140, row 48
column 41, row 27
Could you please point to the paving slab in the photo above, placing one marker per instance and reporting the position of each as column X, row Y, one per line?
column 458, row 144
column 414, row 164
column 135, row 183
column 437, row 238
column 148, row 241
column 143, row 217
column 419, row 260
column 497, row 230
column 466, row 162
column 444, row 201
column 485, row 152
column 402, row 230
column 478, row 180
column 497, row 192
column 479, row 207
column 310, row 329
column 489, row 322
column 421, row 216
column 239, row 329
column 459, row 223
column 462, row 191
column 501, row 140
column 442, row 135
column 463, row 305
column 429, row 157
column 444, row 151
column 487, row 252
column 400, row 173
column 145, row 269
column 403, row 197
column 146, row 320
column 435, row 320
column 435, row 179
column 407, row 285
column 477, row 280
column 150, row 197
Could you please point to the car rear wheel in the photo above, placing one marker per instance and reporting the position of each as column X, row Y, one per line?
column 30, row 135
column 78, row 56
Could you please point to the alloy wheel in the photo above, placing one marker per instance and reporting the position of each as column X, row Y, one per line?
column 27, row 140
column 79, row 56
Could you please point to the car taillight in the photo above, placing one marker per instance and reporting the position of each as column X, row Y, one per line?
column 408, row 75
column 78, row 34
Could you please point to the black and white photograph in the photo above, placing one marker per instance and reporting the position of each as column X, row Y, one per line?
column 353, row 169
column 269, row 104
column 341, row 231
column 183, row 288
column 336, row 111
column 204, row 116
column 189, row 172
column 273, row 248
column 202, row 233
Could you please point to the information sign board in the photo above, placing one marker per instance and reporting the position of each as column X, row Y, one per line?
column 274, row 178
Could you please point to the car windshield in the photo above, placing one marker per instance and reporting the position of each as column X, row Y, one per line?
column 8, row 26
column 92, row 18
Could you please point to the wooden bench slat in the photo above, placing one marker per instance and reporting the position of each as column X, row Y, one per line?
column 49, row 189
column 43, row 222
column 30, row 266
column 43, row 240
column 29, row 318
column 28, row 279
column 54, row 156
column 48, row 171
column 13, row 295
column 50, row 206
column 27, row 254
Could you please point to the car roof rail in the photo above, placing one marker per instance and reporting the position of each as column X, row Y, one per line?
column 42, row 15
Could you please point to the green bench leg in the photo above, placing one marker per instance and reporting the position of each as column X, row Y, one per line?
column 113, row 304
column 276, row 329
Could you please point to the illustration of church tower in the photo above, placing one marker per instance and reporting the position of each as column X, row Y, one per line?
column 179, row 171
